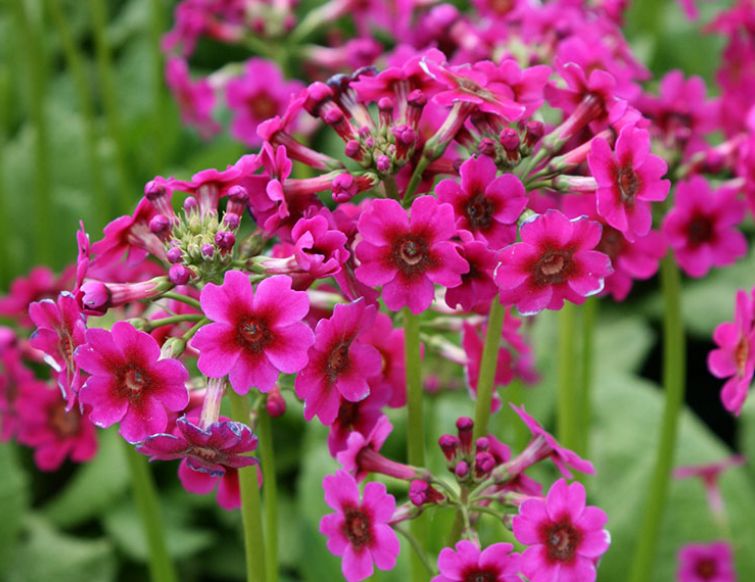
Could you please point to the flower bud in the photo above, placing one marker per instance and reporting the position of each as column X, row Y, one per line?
column 179, row 275
column 465, row 426
column 449, row 444
column 275, row 404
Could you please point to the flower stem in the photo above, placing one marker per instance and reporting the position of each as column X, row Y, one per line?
column 589, row 316
column 182, row 299
column 160, row 565
column 568, row 421
column 251, row 515
column 415, row 426
column 486, row 379
column 270, row 491
column 158, row 137
column 673, row 384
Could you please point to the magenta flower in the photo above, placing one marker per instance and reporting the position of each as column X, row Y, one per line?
column 260, row 93
column 496, row 563
column 40, row 283
column 554, row 262
column 201, row 483
column 629, row 179
column 709, row 474
column 352, row 417
column 54, row 432
column 407, row 255
column 390, row 384
column 14, row 375
column 340, row 362
column 209, row 449
column 735, row 356
column 60, row 330
column 195, row 98
column 255, row 334
column 319, row 248
column 565, row 537
column 486, row 205
column 701, row 228
column 359, row 530
column 129, row 383
column 712, row 562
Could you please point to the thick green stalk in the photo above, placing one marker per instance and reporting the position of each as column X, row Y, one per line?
column 568, row 420
column 486, row 379
column 31, row 51
column 673, row 384
column 251, row 514
column 415, row 433
column 270, row 492
column 7, row 267
column 589, row 317
column 156, row 27
column 98, row 11
column 145, row 494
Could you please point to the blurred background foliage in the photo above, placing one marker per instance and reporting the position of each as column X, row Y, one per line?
column 86, row 120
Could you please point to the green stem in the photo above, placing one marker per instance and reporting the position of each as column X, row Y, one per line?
column 251, row 515
column 98, row 11
column 147, row 502
column 414, row 181
column 673, row 384
column 7, row 266
column 415, row 424
column 270, row 491
column 35, row 69
column 418, row 549
column 486, row 379
column 173, row 319
column 183, row 299
column 568, row 421
column 156, row 27
column 589, row 317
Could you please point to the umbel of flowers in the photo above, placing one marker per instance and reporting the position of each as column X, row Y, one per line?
column 461, row 191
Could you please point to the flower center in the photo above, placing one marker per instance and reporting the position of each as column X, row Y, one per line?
column 611, row 243
column 133, row 381
column 480, row 212
column 553, row 267
column 357, row 527
column 628, row 184
column 253, row 334
column 262, row 106
column 706, row 568
column 480, row 576
column 338, row 360
column 699, row 230
column 65, row 424
column 411, row 255
column 562, row 542
column 348, row 413
column 207, row 454
column 740, row 355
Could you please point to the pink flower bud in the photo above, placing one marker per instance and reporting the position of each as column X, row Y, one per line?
column 175, row 255
column 179, row 275
column 275, row 404
column 465, row 426
column 449, row 444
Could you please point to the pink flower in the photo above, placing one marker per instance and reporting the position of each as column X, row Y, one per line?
column 54, row 432
column 735, row 356
column 260, row 93
column 129, row 383
column 565, row 537
column 477, row 287
column 14, row 375
column 629, row 179
column 200, row 483
column 319, row 247
column 554, row 262
column 407, row 255
column 340, row 362
column 495, row 563
column 486, row 205
column 389, row 341
column 712, row 562
column 256, row 334
column 352, row 417
column 709, row 475
column 61, row 328
column 210, row 449
column 40, row 283
column 195, row 99
column 359, row 530
column 701, row 228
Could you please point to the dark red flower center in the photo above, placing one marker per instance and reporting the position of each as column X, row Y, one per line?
column 562, row 540
column 612, row 242
column 553, row 267
column 208, row 454
column 253, row 334
column 480, row 212
column 132, row 382
column 338, row 360
column 262, row 106
column 348, row 413
column 501, row 7
column 741, row 352
column 628, row 184
column 706, row 568
column 477, row 575
column 411, row 255
column 65, row 424
column 357, row 527
column 699, row 230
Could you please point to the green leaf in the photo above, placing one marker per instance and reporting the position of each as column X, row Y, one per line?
column 94, row 488
column 14, row 501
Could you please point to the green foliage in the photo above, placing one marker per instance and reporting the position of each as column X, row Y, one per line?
column 13, row 500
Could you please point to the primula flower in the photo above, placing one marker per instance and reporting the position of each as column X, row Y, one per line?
column 54, row 432
column 210, row 449
column 735, row 356
column 195, row 98
column 486, row 205
column 256, row 334
column 13, row 376
column 319, row 248
column 389, row 341
column 565, row 537
column 701, row 228
column 61, row 328
column 359, row 530
column 407, row 255
column 201, row 483
column 712, row 562
column 353, row 417
column 40, row 283
column 629, row 179
column 554, row 262
column 467, row 563
column 340, row 363
column 129, row 383
column 709, row 475
column 477, row 287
